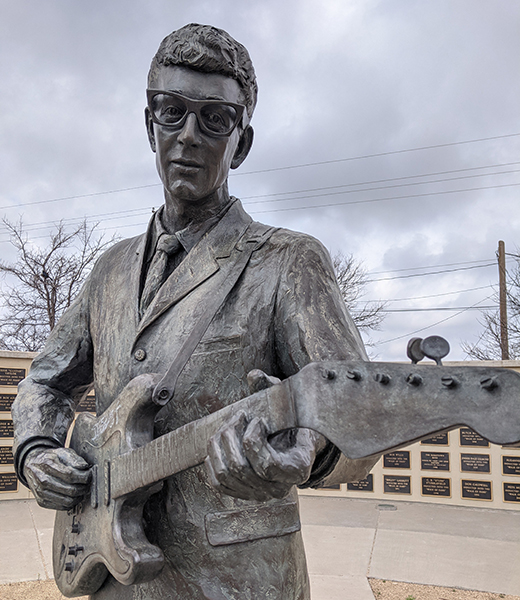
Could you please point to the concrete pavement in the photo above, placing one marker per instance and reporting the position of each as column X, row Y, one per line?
column 347, row 540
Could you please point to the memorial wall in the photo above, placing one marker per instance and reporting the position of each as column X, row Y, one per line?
column 13, row 368
column 458, row 467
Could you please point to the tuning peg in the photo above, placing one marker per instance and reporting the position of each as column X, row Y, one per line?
column 434, row 347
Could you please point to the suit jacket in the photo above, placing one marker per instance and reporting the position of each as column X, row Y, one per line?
column 284, row 312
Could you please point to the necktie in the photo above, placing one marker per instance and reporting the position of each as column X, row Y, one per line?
column 167, row 246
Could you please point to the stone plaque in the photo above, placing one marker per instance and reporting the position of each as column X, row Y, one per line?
column 511, row 492
column 397, row 460
column 436, row 486
column 11, row 376
column 88, row 404
column 6, row 428
column 8, row 482
column 476, row 490
column 440, row 439
column 6, row 455
column 364, row 485
column 397, row 484
column 435, row 461
column 6, row 401
column 468, row 437
column 475, row 463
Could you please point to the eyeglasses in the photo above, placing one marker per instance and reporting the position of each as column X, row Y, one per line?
column 215, row 117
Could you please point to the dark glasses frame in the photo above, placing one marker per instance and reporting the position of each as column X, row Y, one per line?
column 194, row 106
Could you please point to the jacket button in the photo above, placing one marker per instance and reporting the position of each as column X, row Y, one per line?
column 140, row 354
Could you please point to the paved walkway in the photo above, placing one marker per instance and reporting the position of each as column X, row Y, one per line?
column 347, row 541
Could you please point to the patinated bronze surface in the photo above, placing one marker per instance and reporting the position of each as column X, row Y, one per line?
column 197, row 337
column 230, row 529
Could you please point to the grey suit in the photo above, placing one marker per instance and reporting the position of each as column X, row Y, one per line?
column 285, row 311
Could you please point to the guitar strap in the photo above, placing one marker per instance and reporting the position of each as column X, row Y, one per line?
column 254, row 238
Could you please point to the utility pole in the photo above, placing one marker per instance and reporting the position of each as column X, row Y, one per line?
column 504, row 342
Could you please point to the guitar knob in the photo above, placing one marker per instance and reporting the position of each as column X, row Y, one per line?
column 328, row 374
column 354, row 375
column 69, row 566
column 449, row 382
column 73, row 550
column 489, row 383
column 382, row 378
column 414, row 379
column 75, row 527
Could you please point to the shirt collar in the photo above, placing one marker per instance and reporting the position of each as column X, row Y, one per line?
column 190, row 235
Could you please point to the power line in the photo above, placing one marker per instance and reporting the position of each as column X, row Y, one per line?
column 432, row 325
column 433, row 309
column 371, row 200
column 385, row 187
column 303, row 165
column 129, row 212
column 332, row 187
column 482, row 287
column 33, row 226
column 456, row 264
column 364, row 156
column 431, row 273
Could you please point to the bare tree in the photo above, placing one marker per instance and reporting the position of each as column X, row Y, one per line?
column 43, row 281
column 352, row 279
column 488, row 346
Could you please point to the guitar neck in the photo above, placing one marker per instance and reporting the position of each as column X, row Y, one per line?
column 363, row 408
column 187, row 446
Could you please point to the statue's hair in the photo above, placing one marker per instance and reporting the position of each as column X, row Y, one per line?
column 210, row 50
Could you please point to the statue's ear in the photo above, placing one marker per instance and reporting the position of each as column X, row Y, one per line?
column 149, row 128
column 243, row 148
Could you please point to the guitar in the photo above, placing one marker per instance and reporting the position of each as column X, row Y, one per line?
column 364, row 408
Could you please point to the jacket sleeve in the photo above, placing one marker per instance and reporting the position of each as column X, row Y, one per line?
column 313, row 324
column 59, row 377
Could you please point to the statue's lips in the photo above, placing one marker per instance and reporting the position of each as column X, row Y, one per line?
column 186, row 164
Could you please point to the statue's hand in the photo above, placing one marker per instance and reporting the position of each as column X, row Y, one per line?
column 244, row 463
column 58, row 477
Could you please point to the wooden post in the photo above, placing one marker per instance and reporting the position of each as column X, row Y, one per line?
column 504, row 342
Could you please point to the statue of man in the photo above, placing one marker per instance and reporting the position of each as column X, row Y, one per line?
column 142, row 297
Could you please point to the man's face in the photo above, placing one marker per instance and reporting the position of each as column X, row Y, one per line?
column 192, row 164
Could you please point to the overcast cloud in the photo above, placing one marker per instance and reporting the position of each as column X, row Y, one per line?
column 338, row 79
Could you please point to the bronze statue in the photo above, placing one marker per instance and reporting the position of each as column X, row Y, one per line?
column 230, row 529
column 197, row 337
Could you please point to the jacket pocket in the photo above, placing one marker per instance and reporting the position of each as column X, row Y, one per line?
column 254, row 523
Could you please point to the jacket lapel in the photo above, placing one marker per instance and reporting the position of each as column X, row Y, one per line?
column 201, row 263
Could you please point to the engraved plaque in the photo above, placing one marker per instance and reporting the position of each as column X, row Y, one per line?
column 435, row 461
column 475, row 463
column 440, row 439
column 6, row 401
column 8, row 482
column 6, row 428
column 397, row 484
column 511, row 492
column 510, row 465
column 436, row 486
column 11, row 376
column 363, row 485
column 6, row 455
column 88, row 404
column 476, row 490
column 397, row 460
column 468, row 437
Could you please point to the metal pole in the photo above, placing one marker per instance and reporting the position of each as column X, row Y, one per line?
column 504, row 342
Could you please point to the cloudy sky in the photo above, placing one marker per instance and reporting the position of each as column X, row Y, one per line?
column 388, row 129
